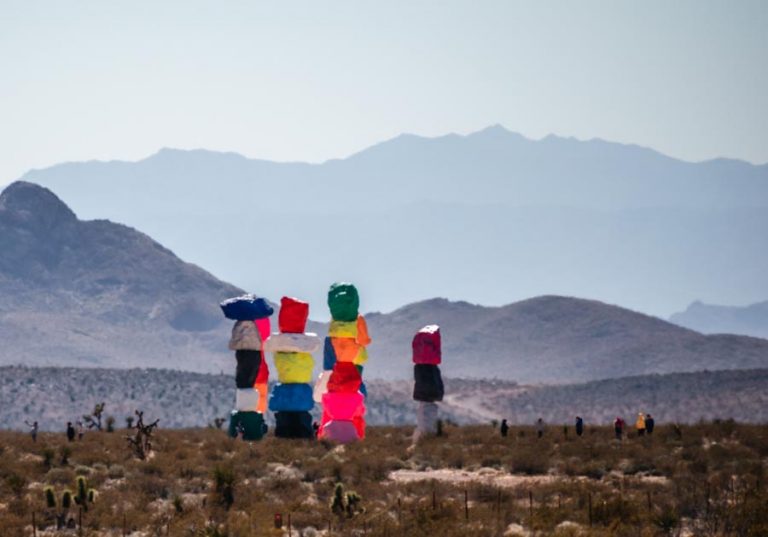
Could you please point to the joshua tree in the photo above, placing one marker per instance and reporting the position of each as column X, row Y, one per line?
column 141, row 442
column 353, row 504
column 94, row 419
column 337, row 502
column 129, row 422
column 345, row 505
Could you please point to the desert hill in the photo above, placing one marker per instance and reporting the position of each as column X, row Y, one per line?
column 96, row 293
column 554, row 339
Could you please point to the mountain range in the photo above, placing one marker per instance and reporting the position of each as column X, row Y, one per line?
column 100, row 294
column 751, row 320
column 491, row 217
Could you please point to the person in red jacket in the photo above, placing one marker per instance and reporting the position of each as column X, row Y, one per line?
column 618, row 427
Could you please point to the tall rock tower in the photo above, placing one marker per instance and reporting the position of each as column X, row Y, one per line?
column 340, row 387
column 251, row 330
column 291, row 400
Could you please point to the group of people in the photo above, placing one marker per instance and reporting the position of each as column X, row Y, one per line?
column 71, row 431
column 643, row 425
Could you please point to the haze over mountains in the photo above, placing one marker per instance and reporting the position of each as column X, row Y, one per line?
column 95, row 293
column 749, row 320
column 491, row 217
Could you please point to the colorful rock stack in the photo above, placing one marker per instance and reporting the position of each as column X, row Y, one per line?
column 251, row 330
column 340, row 387
column 291, row 400
column 428, row 383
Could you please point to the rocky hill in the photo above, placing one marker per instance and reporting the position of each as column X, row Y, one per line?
column 96, row 293
column 553, row 339
column 751, row 320
column 99, row 294
column 54, row 396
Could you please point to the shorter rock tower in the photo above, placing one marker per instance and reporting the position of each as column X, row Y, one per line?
column 428, row 383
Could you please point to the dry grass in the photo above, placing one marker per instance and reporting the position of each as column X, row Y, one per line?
column 709, row 481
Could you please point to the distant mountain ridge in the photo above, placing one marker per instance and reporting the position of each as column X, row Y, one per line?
column 491, row 217
column 751, row 320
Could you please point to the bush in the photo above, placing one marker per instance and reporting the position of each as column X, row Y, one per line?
column 224, row 486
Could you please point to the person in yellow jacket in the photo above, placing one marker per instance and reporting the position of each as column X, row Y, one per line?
column 640, row 424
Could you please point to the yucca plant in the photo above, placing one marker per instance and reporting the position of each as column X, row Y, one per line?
column 338, row 501
column 50, row 497
column 83, row 497
column 224, row 485
column 60, row 509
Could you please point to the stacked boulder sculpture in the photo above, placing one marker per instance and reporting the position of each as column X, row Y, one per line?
column 252, row 328
column 340, row 387
column 291, row 399
column 428, row 383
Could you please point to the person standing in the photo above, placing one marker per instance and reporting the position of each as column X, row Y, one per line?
column 579, row 426
column 80, row 430
column 640, row 424
column 618, row 428
column 504, row 428
column 32, row 430
column 649, row 424
column 540, row 427
column 70, row 431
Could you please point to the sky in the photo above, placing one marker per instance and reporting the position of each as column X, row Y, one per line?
column 309, row 81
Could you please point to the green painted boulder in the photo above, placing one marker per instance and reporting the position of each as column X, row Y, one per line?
column 250, row 424
column 343, row 301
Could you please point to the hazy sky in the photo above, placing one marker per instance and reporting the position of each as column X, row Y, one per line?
column 317, row 80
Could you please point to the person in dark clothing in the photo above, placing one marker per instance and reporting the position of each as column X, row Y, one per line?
column 70, row 431
column 540, row 427
column 504, row 428
column 579, row 426
column 618, row 427
column 649, row 423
